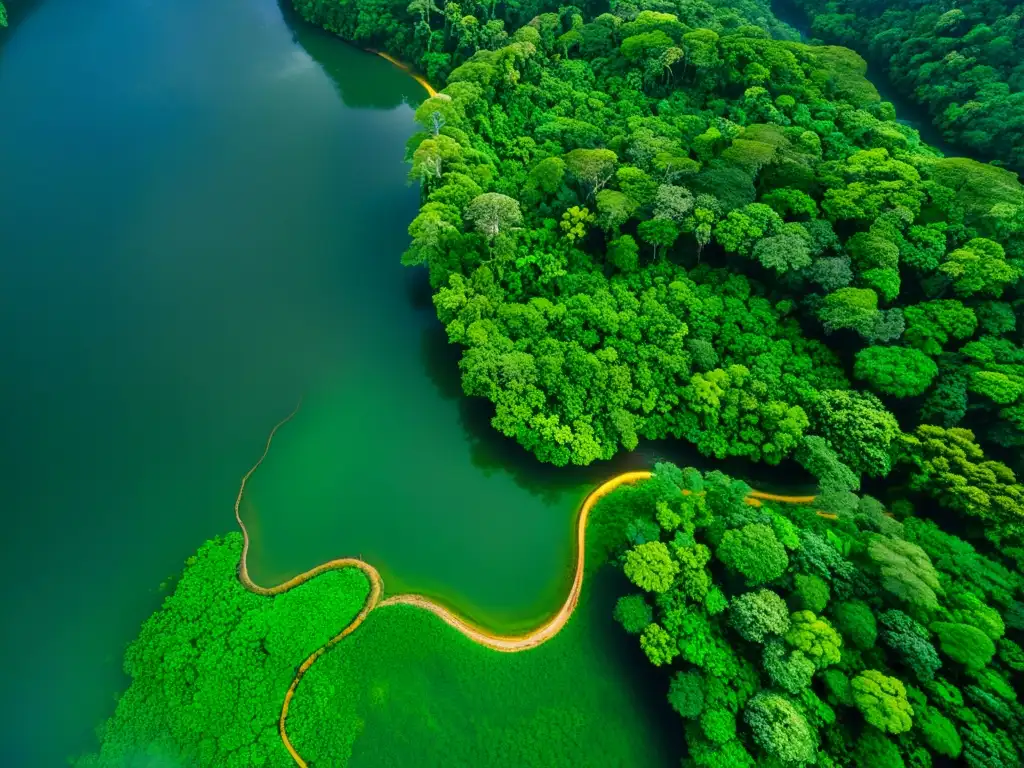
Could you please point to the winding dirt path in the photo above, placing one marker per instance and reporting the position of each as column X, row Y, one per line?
column 550, row 628
column 372, row 599
column 475, row 632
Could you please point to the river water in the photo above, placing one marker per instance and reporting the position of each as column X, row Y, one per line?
column 202, row 208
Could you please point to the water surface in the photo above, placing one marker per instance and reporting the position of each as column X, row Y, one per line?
column 196, row 202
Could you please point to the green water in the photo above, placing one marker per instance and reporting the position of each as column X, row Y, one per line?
column 201, row 214
column 419, row 694
column 379, row 466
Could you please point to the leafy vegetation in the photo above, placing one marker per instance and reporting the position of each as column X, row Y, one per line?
column 896, row 665
column 210, row 669
column 963, row 63
column 675, row 220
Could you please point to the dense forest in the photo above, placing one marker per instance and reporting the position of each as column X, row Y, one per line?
column 789, row 638
column 961, row 61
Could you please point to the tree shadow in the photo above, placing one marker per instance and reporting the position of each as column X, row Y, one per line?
column 491, row 451
column 18, row 11
column 363, row 80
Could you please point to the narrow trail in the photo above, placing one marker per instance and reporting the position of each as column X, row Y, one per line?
column 475, row 632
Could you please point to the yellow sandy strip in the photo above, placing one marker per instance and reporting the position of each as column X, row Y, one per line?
column 476, row 633
column 781, row 497
column 550, row 628
column 405, row 68
column 376, row 589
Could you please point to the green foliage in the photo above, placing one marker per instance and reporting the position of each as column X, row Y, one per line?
column 874, row 749
column 938, row 731
column 980, row 266
column 754, row 552
column 964, row 644
column 780, row 729
column 811, row 593
column 694, row 580
column 820, row 460
column 772, row 191
column 715, row 602
column 971, row 610
column 658, row 645
column 856, row 622
column 633, row 613
column 650, row 566
column 984, row 748
column 706, row 754
column 686, row 694
column 1011, row 654
column 815, row 637
column 876, row 588
column 790, row 670
column 718, row 725
column 699, row 135
column 754, row 615
column 949, row 465
column 906, row 571
column 910, row 642
column 859, row 429
column 491, row 213
column 932, row 324
column 883, row 701
column 705, row 138
column 896, row 371
column 209, row 668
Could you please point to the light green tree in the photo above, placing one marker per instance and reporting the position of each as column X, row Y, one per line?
column 883, row 701
column 650, row 566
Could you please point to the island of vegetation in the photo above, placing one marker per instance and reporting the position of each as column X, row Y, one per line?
column 675, row 220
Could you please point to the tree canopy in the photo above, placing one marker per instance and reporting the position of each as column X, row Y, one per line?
column 905, row 660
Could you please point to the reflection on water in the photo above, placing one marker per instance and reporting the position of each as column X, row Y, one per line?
column 356, row 92
column 493, row 451
column 184, row 193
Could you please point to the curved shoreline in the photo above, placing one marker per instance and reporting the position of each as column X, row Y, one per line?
column 475, row 632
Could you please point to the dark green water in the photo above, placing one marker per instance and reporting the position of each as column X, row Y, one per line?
column 201, row 214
